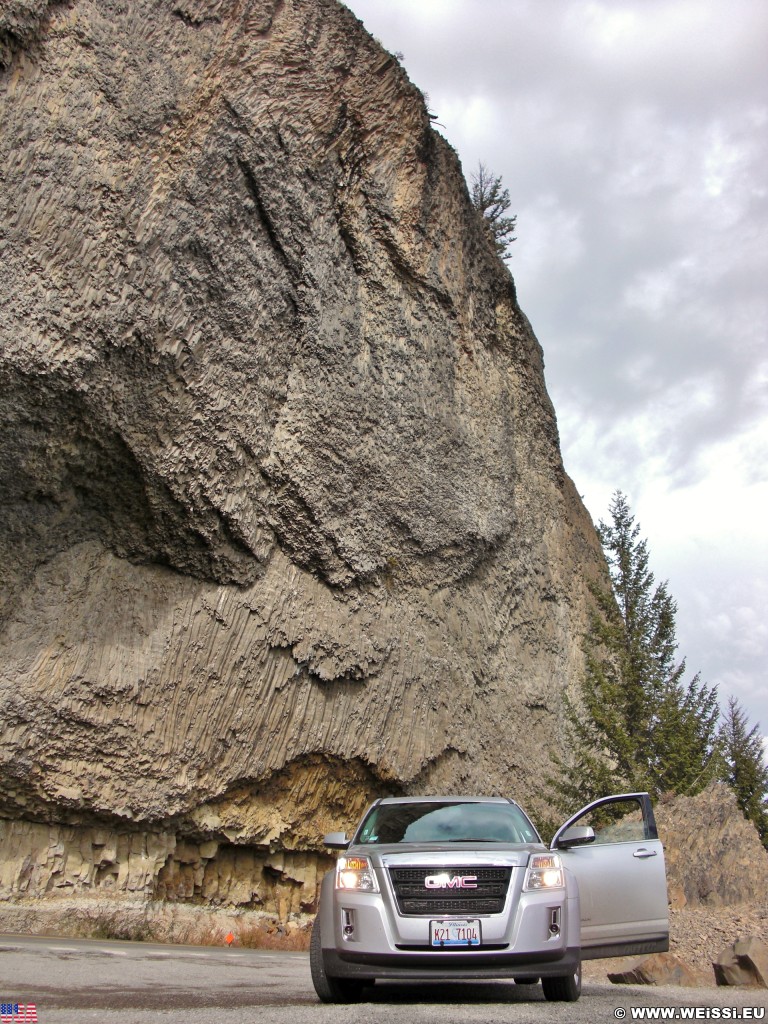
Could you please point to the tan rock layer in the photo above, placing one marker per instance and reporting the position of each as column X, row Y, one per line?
column 62, row 861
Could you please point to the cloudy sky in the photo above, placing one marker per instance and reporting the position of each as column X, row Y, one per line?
column 633, row 137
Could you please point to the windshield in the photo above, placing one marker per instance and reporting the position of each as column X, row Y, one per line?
column 454, row 822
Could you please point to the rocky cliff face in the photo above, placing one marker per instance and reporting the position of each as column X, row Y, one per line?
column 713, row 854
column 284, row 520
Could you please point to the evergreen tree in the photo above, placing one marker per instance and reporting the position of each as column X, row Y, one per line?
column 636, row 723
column 492, row 202
column 685, row 737
column 744, row 767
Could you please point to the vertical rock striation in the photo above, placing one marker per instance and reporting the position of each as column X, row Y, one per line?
column 284, row 519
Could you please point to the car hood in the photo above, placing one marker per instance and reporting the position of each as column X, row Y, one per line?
column 448, row 854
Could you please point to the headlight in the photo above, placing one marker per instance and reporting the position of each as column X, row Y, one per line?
column 355, row 873
column 544, row 872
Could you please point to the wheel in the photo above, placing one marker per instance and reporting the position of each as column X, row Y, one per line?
column 329, row 990
column 531, row 979
column 565, row 989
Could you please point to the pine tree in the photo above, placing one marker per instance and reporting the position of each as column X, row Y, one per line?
column 636, row 723
column 684, row 738
column 744, row 767
column 492, row 202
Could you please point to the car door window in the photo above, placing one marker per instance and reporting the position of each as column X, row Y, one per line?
column 622, row 821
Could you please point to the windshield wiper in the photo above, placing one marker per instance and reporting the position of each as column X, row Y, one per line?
column 472, row 839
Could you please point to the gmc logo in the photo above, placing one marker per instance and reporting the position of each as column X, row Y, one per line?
column 443, row 881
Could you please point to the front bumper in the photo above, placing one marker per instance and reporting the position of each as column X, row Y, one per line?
column 441, row 965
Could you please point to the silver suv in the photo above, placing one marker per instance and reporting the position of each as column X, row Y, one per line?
column 462, row 888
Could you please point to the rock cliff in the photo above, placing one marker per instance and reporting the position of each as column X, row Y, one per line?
column 284, row 519
column 714, row 855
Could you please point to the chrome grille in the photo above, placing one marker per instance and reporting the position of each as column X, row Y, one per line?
column 413, row 896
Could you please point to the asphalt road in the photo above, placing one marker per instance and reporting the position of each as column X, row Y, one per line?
column 72, row 981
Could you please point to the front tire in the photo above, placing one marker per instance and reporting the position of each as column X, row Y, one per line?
column 329, row 989
column 565, row 989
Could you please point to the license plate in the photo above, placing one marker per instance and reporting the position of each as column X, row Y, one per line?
column 454, row 933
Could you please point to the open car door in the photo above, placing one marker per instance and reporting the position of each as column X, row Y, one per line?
column 613, row 849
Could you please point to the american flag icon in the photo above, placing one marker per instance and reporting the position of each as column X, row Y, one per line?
column 18, row 1013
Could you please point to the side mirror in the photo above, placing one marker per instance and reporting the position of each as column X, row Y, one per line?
column 576, row 835
column 336, row 840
